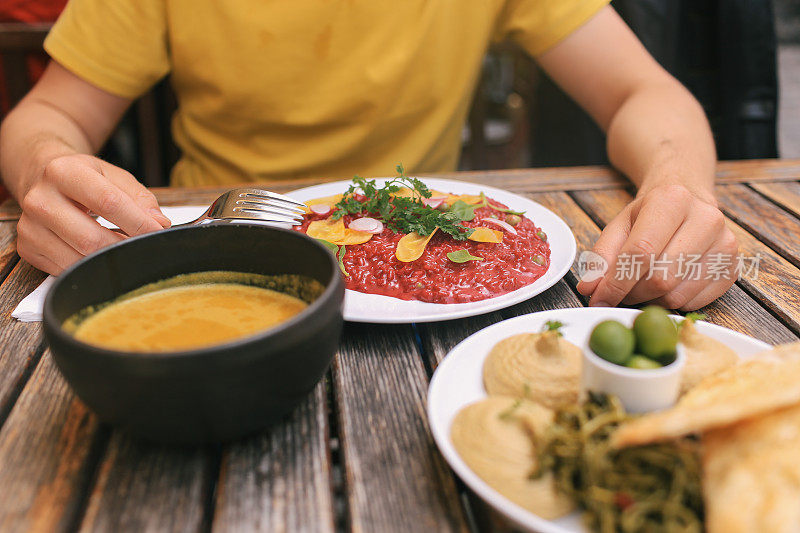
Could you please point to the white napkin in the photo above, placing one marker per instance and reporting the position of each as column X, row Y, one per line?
column 30, row 308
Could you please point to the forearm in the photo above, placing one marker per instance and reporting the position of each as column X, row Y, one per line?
column 31, row 136
column 660, row 135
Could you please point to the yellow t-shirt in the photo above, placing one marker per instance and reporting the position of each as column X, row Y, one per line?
column 305, row 88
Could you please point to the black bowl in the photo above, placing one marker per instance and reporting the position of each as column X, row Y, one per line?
column 211, row 394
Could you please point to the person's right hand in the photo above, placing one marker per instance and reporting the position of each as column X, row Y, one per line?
column 55, row 228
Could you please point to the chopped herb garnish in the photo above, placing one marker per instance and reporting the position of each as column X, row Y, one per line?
column 338, row 252
column 340, row 257
column 485, row 203
column 553, row 325
column 694, row 316
column 508, row 413
column 463, row 210
column 401, row 214
column 691, row 317
column 462, row 256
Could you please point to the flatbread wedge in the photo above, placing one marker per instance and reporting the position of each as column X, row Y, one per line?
column 751, row 474
column 704, row 356
column 749, row 389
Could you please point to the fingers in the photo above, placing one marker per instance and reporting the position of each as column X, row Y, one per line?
column 47, row 208
column 42, row 248
column 608, row 246
column 82, row 183
column 654, row 227
column 698, row 233
column 135, row 190
column 707, row 283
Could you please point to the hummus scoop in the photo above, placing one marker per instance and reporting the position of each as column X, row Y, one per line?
column 543, row 367
column 495, row 437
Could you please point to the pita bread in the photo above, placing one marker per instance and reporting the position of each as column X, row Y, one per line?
column 737, row 393
column 751, row 474
column 704, row 356
column 496, row 438
column 782, row 352
column 543, row 367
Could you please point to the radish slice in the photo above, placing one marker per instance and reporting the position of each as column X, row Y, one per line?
column 368, row 224
column 434, row 201
column 321, row 209
column 502, row 223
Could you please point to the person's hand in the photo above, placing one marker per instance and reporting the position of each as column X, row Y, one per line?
column 671, row 225
column 55, row 228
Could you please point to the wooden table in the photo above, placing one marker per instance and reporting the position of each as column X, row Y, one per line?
column 357, row 454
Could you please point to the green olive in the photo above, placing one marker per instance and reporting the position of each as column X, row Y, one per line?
column 656, row 334
column 612, row 341
column 642, row 362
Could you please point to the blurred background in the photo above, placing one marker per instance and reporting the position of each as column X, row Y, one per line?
column 740, row 58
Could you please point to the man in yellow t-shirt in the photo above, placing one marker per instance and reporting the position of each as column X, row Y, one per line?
column 338, row 87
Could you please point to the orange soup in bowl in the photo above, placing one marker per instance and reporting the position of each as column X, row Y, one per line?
column 191, row 311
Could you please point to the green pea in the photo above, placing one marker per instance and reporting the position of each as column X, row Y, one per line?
column 538, row 259
column 513, row 219
column 642, row 362
column 612, row 341
column 542, row 235
column 656, row 334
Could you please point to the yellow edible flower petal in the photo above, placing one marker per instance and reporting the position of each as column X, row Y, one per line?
column 328, row 230
column 352, row 236
column 411, row 247
column 486, row 235
column 470, row 199
column 330, row 200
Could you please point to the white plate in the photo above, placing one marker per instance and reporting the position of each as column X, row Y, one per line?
column 458, row 381
column 361, row 307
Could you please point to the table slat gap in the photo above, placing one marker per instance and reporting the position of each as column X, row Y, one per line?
column 8, row 249
column 212, row 470
column 784, row 193
column 336, row 458
column 768, row 222
column 22, row 379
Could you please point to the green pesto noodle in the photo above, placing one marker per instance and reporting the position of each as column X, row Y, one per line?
column 645, row 488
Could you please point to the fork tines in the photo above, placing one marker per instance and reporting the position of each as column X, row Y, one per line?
column 271, row 199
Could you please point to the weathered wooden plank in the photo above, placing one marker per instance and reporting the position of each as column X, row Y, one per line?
column 583, row 227
column 783, row 193
column 280, row 480
column 48, row 450
column 144, row 487
column 765, row 220
column 772, row 286
column 20, row 345
column 395, row 478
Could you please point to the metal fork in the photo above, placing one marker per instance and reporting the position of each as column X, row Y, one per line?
column 253, row 204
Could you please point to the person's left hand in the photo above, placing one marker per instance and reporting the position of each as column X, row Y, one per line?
column 666, row 219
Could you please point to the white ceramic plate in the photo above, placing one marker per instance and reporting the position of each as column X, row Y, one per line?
column 361, row 307
column 458, row 381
